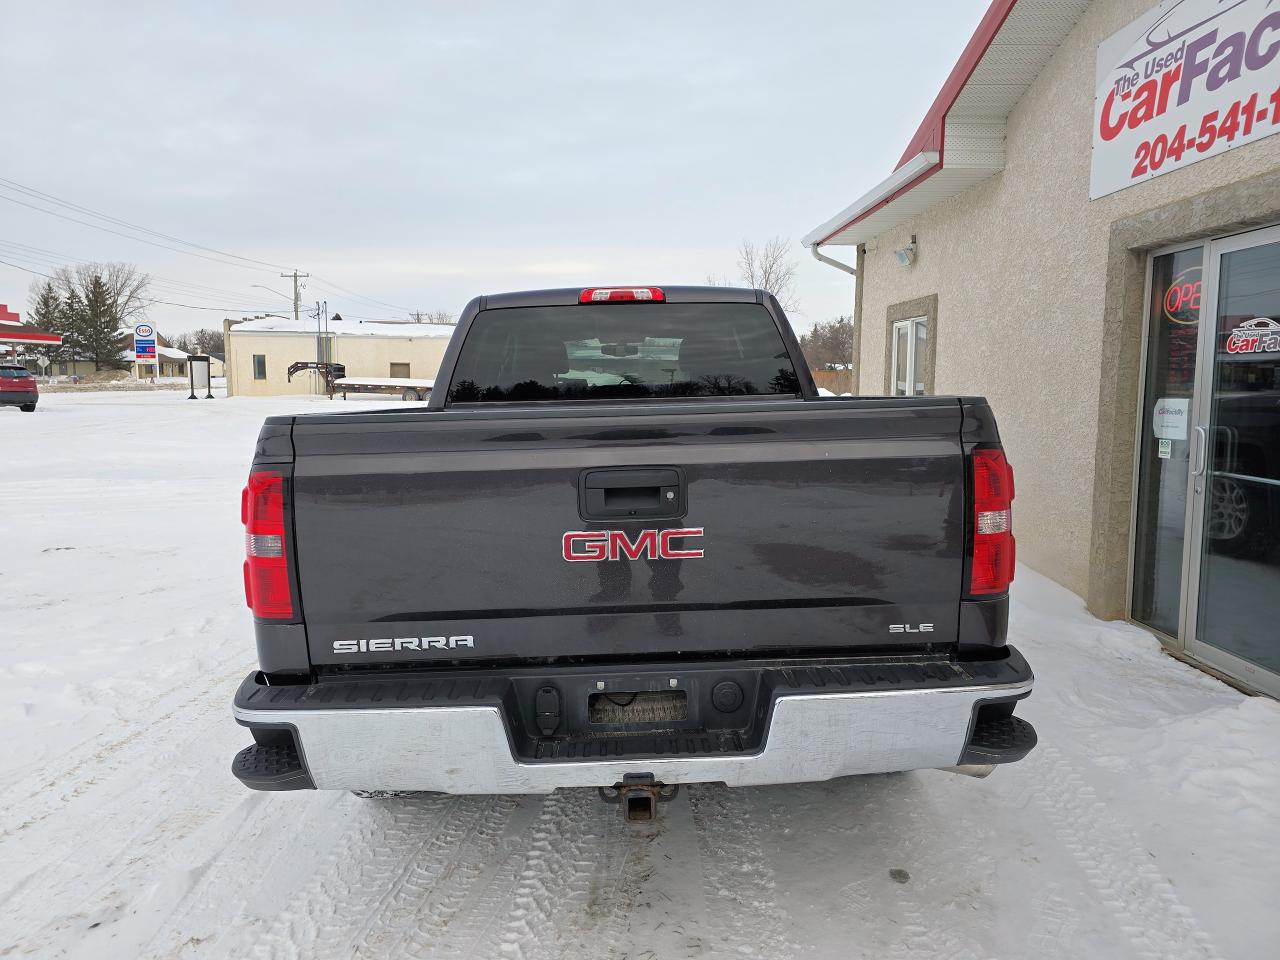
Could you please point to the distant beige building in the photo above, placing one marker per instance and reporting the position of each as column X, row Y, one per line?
column 260, row 352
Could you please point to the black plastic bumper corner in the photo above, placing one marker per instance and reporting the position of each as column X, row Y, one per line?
column 999, row 740
column 274, row 766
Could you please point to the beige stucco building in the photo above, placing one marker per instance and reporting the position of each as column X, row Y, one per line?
column 259, row 352
column 1010, row 254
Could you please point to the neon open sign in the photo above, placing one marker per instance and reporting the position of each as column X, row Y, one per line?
column 1182, row 299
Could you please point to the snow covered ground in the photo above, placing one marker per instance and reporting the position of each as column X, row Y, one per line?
column 1145, row 825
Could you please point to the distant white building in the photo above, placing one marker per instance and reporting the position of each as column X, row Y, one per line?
column 259, row 352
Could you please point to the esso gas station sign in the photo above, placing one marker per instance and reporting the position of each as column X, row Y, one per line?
column 1185, row 81
column 144, row 343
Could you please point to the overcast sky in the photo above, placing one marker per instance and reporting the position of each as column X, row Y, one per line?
column 422, row 153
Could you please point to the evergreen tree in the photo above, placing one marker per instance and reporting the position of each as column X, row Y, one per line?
column 45, row 305
column 101, row 326
column 71, row 324
column 45, row 312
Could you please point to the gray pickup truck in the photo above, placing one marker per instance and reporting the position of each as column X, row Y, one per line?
column 627, row 545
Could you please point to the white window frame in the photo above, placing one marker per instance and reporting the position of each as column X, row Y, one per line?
column 912, row 339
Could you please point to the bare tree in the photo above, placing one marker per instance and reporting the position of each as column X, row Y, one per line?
column 204, row 340
column 771, row 268
column 183, row 341
column 434, row 316
column 126, row 288
column 768, row 267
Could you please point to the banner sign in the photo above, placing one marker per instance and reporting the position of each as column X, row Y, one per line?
column 1188, row 80
column 144, row 343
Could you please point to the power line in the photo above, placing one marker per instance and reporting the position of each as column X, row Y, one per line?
column 167, row 303
column 249, row 263
column 322, row 282
column 27, row 269
column 97, row 226
column 198, row 290
column 50, row 198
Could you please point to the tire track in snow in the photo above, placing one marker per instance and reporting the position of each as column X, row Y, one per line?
column 220, row 893
column 1127, row 882
column 86, row 766
column 491, row 897
column 1055, row 924
column 614, row 888
column 366, row 868
column 137, row 797
column 416, row 916
column 930, row 936
column 553, row 883
column 737, row 877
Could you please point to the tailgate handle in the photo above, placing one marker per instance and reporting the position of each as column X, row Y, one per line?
column 623, row 494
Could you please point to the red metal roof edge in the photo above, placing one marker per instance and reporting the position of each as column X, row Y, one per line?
column 931, row 133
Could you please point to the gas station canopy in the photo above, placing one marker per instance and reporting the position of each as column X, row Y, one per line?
column 13, row 330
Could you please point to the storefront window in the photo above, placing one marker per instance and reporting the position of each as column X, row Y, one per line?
column 1164, row 445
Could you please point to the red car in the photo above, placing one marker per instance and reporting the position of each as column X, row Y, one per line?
column 18, row 388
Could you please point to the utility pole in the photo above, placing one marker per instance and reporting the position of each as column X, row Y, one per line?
column 322, row 312
column 297, row 309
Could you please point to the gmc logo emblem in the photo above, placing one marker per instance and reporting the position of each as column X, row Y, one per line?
column 592, row 546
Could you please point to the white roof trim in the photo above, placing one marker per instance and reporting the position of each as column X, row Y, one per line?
column 972, row 122
column 881, row 192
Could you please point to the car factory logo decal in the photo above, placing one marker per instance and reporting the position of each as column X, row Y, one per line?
column 1259, row 335
column 592, row 546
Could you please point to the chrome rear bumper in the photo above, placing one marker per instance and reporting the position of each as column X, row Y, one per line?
column 466, row 749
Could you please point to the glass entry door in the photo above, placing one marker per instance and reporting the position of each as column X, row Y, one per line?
column 1232, row 581
column 1166, row 443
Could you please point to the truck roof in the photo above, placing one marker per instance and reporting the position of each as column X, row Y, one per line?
column 565, row 296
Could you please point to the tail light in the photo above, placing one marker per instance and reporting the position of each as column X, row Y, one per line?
column 266, row 570
column 619, row 294
column 991, row 567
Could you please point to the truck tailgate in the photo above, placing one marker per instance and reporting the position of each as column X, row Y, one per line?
column 825, row 526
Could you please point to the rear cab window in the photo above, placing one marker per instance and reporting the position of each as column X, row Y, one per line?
column 612, row 351
column 15, row 373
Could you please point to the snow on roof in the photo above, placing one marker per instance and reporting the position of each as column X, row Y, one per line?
column 345, row 328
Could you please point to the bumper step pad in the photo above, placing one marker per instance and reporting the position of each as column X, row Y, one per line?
column 273, row 767
column 999, row 740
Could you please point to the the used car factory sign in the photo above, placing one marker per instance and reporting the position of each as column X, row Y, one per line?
column 1190, row 79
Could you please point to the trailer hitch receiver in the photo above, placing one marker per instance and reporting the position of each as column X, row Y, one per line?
column 639, row 795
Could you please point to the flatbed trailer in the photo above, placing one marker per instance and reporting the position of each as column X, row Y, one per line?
column 409, row 388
